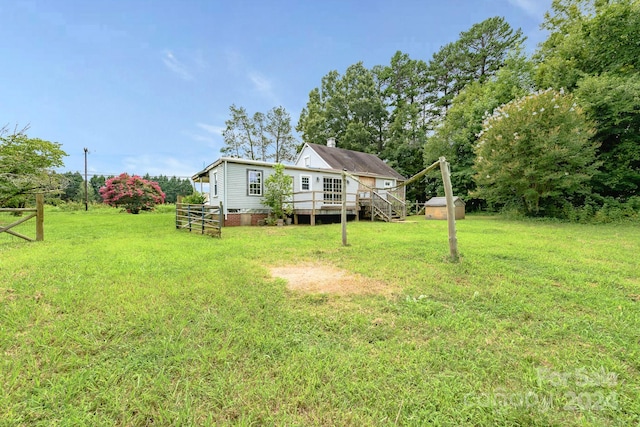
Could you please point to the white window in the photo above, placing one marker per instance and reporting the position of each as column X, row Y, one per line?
column 254, row 182
column 307, row 161
column 332, row 188
column 387, row 184
column 215, row 184
column 305, row 183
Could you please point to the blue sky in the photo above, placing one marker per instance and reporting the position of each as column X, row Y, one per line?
column 146, row 85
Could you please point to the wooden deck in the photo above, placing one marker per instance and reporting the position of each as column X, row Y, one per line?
column 362, row 204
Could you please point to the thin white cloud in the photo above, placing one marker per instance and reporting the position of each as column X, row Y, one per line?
column 535, row 8
column 173, row 64
column 234, row 59
column 263, row 86
column 200, row 138
column 216, row 130
column 158, row 165
column 260, row 82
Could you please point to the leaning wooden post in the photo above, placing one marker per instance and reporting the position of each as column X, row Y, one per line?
column 39, row 217
column 221, row 219
column 451, row 210
column 178, row 208
column 203, row 220
column 357, row 218
column 344, row 209
column 371, row 192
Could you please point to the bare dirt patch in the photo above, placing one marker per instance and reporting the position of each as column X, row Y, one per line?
column 319, row 278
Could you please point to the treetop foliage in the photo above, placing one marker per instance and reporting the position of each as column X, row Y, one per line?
column 435, row 108
column 390, row 110
column 27, row 166
column 535, row 153
column 259, row 137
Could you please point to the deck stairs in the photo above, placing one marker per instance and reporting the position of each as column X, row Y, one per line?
column 387, row 207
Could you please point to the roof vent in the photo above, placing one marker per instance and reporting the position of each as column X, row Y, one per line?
column 331, row 142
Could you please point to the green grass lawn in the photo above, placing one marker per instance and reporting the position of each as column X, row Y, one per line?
column 120, row 319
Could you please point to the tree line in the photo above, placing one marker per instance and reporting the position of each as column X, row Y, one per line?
column 543, row 134
column 540, row 135
column 73, row 187
column 27, row 167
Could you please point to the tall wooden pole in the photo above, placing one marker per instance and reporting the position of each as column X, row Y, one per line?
column 344, row 209
column 451, row 210
column 86, row 186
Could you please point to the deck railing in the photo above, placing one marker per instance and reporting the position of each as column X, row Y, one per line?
column 317, row 200
column 398, row 206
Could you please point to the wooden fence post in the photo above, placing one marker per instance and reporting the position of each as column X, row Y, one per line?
column 451, row 210
column 312, row 220
column 371, row 192
column 343, row 217
column 178, row 208
column 221, row 223
column 39, row 217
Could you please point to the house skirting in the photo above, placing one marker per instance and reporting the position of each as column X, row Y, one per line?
column 254, row 218
column 237, row 219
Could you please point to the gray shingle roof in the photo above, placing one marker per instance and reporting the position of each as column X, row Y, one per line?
column 354, row 161
column 442, row 201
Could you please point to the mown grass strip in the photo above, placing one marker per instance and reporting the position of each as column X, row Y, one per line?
column 121, row 319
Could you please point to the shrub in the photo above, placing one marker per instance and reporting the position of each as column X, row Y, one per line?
column 196, row 198
column 534, row 153
column 133, row 193
column 278, row 192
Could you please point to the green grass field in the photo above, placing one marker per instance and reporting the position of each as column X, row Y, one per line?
column 120, row 319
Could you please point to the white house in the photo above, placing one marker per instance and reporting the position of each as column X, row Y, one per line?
column 317, row 184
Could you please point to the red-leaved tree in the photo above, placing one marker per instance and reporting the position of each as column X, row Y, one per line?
column 133, row 193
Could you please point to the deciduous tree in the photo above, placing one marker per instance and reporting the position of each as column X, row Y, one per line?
column 592, row 49
column 613, row 102
column 27, row 166
column 348, row 107
column 72, row 187
column 280, row 136
column 456, row 137
column 278, row 192
column 240, row 135
column 535, row 153
column 259, row 137
column 134, row 193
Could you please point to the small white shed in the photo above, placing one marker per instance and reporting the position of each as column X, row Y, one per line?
column 436, row 208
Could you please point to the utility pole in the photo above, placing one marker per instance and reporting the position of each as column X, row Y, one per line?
column 86, row 186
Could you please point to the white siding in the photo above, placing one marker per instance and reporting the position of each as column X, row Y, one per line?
column 237, row 195
column 305, row 199
column 315, row 161
column 233, row 192
column 213, row 199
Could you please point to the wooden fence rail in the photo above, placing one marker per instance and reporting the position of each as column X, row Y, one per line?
column 37, row 212
column 204, row 219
